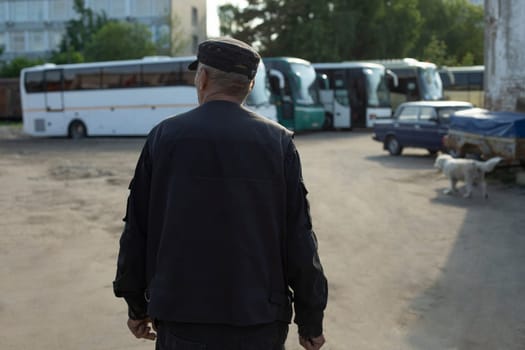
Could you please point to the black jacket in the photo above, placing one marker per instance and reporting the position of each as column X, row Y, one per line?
column 217, row 228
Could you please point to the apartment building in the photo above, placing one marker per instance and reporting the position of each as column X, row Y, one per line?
column 34, row 28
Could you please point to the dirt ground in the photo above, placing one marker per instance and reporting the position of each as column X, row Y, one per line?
column 408, row 267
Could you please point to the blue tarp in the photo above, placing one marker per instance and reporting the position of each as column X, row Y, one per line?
column 483, row 122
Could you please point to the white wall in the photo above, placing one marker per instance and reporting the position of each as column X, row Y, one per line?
column 505, row 55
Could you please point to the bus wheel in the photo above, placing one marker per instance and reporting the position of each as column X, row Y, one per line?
column 77, row 130
column 393, row 146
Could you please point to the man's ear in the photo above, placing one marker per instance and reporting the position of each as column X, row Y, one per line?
column 252, row 83
column 203, row 79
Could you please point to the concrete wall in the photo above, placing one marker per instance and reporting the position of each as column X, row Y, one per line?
column 192, row 29
column 505, row 55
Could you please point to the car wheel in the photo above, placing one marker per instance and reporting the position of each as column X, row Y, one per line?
column 393, row 146
column 77, row 130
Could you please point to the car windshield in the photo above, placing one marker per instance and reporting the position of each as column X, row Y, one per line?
column 431, row 85
column 377, row 88
column 260, row 94
column 305, row 89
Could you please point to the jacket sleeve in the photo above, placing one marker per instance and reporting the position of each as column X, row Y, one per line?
column 130, row 281
column 304, row 271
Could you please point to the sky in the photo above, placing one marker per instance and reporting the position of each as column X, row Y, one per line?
column 213, row 18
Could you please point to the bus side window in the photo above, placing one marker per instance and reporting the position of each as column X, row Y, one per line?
column 476, row 81
column 161, row 74
column 152, row 74
column 461, row 81
column 130, row 76
column 53, row 79
column 34, row 81
column 117, row 77
column 87, row 79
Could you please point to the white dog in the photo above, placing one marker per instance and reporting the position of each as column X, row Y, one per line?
column 468, row 170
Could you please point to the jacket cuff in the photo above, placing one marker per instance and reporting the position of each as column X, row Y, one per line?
column 137, row 307
column 313, row 328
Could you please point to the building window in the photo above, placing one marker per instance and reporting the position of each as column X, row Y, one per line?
column 59, row 10
column 118, row 9
column 18, row 11
column 140, row 8
column 3, row 11
column 36, row 41
column 35, row 10
column 160, row 8
column 195, row 43
column 194, row 16
column 17, row 41
column 2, row 39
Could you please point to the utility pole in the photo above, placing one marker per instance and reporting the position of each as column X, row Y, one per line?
column 504, row 79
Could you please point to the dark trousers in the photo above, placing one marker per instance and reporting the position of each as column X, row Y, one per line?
column 186, row 336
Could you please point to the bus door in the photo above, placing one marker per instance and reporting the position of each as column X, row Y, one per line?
column 54, row 90
column 358, row 97
column 341, row 101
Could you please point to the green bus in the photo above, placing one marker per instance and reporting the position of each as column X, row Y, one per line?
column 295, row 91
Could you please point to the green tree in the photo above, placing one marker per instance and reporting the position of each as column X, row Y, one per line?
column 457, row 23
column 227, row 19
column 436, row 52
column 337, row 30
column 13, row 68
column 320, row 30
column 79, row 31
column 67, row 57
column 120, row 40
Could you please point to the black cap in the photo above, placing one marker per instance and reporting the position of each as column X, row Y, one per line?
column 228, row 55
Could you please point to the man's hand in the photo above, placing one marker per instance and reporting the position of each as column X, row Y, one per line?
column 141, row 328
column 312, row 343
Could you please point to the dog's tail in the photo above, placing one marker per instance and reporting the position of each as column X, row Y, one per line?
column 488, row 165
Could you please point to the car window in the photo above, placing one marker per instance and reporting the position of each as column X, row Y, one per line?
column 408, row 114
column 426, row 113
column 445, row 113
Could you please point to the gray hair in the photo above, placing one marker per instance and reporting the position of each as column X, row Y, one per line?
column 234, row 84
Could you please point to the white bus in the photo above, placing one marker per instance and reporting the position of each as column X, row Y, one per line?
column 417, row 81
column 464, row 84
column 115, row 98
column 355, row 94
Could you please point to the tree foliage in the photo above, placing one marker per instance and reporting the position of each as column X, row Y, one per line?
column 79, row 31
column 120, row 40
column 13, row 68
column 446, row 31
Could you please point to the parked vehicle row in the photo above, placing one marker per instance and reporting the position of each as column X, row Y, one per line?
column 128, row 97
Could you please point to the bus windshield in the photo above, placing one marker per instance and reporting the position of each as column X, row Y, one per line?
column 306, row 89
column 260, row 93
column 431, row 85
column 377, row 87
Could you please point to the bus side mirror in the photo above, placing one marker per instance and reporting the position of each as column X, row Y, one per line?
column 393, row 80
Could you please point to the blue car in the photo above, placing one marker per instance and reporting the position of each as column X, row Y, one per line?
column 420, row 124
